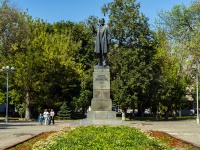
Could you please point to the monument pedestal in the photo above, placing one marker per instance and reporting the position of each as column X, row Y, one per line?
column 101, row 105
column 101, row 115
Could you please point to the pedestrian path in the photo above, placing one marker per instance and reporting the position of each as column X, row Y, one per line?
column 187, row 130
column 14, row 132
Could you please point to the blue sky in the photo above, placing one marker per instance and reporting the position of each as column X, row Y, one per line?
column 79, row 10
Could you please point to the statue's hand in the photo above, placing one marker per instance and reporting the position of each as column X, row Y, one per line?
column 109, row 41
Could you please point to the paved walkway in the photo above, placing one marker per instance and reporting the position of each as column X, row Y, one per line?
column 187, row 130
column 14, row 132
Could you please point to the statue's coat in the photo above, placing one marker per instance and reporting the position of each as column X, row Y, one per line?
column 105, row 40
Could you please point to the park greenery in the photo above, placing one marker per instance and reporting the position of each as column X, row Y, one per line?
column 104, row 137
column 151, row 139
column 150, row 68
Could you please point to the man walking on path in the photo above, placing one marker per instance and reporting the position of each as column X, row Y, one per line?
column 52, row 115
column 46, row 115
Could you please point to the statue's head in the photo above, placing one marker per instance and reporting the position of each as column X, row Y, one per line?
column 101, row 21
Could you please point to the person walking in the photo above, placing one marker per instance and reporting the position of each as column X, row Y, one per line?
column 52, row 114
column 49, row 119
column 40, row 118
column 45, row 115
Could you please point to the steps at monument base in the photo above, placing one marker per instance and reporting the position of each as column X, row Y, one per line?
column 101, row 115
column 99, row 122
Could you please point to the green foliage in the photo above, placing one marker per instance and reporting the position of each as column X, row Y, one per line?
column 171, row 85
column 178, row 33
column 15, row 97
column 105, row 137
column 2, row 97
column 83, row 99
column 12, row 32
column 54, row 62
column 181, row 27
column 131, row 54
column 2, row 87
column 65, row 112
column 13, row 29
column 21, row 109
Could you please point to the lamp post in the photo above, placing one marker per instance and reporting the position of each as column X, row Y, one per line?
column 197, row 90
column 7, row 70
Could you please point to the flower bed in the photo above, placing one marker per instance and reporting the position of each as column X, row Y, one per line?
column 104, row 137
column 27, row 145
column 171, row 141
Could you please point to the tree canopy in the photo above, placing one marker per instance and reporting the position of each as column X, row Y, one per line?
column 54, row 62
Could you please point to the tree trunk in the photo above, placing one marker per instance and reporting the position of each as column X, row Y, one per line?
column 27, row 113
column 174, row 114
column 123, row 114
column 141, row 110
column 166, row 115
column 142, row 115
column 84, row 112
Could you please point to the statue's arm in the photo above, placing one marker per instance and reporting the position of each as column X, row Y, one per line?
column 108, row 35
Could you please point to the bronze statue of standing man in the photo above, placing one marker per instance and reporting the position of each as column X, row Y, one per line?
column 103, row 41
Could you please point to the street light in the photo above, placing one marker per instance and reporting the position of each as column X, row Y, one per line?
column 197, row 90
column 7, row 70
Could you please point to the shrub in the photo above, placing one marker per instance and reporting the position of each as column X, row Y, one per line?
column 64, row 113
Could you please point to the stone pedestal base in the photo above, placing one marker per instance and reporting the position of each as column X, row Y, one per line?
column 101, row 115
column 101, row 104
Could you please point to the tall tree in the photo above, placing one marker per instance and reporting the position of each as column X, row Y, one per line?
column 26, row 61
column 181, row 28
column 83, row 32
column 13, row 29
column 131, row 53
column 46, row 71
column 170, row 90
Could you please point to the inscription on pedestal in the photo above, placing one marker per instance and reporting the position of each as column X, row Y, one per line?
column 101, row 78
